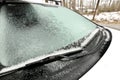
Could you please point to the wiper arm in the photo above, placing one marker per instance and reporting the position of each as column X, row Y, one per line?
column 57, row 55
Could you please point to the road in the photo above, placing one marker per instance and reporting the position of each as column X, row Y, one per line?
column 113, row 26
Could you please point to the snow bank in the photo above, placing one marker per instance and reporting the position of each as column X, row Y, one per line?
column 106, row 16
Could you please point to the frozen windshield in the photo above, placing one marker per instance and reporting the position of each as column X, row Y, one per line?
column 30, row 30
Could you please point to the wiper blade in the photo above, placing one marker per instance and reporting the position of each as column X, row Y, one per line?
column 57, row 55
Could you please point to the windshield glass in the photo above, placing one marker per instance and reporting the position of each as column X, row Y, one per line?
column 29, row 30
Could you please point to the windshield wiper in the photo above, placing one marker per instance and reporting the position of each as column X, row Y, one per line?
column 63, row 55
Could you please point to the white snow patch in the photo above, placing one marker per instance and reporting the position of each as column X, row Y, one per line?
column 106, row 16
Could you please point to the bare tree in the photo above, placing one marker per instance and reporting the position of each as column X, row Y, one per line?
column 46, row 1
column 81, row 5
column 110, row 3
column 74, row 4
column 93, row 4
column 96, row 9
column 63, row 1
column 69, row 4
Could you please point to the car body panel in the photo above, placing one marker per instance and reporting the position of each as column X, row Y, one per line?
column 108, row 68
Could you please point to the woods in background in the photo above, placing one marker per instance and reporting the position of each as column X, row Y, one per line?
column 89, row 6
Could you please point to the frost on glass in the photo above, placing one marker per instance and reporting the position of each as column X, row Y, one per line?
column 31, row 30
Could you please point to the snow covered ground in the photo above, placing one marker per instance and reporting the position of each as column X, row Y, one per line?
column 106, row 16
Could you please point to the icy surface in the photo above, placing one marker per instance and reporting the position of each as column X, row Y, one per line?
column 27, row 31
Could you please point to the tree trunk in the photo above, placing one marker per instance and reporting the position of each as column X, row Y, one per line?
column 46, row 1
column 81, row 5
column 96, row 10
column 63, row 2
column 94, row 5
column 110, row 3
column 74, row 5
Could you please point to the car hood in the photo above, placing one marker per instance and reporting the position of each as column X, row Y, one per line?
column 108, row 67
